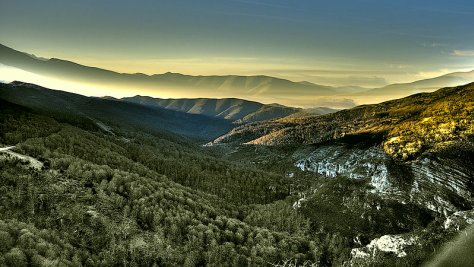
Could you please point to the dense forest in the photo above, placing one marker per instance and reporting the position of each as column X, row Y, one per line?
column 129, row 197
column 98, row 201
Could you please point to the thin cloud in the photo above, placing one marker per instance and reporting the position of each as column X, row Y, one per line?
column 433, row 45
column 418, row 34
column 270, row 17
column 463, row 53
column 260, row 3
column 447, row 11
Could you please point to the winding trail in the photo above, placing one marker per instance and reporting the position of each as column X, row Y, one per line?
column 32, row 161
column 2, row 149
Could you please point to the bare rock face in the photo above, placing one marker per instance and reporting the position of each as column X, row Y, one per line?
column 354, row 163
column 385, row 244
column 459, row 220
column 440, row 183
column 443, row 186
column 437, row 183
column 399, row 245
column 302, row 198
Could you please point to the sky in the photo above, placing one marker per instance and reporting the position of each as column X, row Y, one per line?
column 367, row 43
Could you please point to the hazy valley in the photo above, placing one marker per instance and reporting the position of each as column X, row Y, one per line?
column 265, row 89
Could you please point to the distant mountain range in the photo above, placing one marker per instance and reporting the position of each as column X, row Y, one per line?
column 427, row 85
column 218, row 85
column 260, row 88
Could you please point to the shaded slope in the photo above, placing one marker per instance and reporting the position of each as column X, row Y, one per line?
column 113, row 112
column 233, row 109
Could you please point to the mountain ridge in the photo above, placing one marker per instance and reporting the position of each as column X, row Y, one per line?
column 425, row 85
column 246, row 85
column 335, row 182
column 233, row 109
column 408, row 126
column 261, row 88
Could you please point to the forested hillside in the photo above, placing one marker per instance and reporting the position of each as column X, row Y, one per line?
column 96, row 202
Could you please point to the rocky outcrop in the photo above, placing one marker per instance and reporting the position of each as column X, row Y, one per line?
column 459, row 220
column 351, row 162
column 441, row 185
column 437, row 183
column 395, row 244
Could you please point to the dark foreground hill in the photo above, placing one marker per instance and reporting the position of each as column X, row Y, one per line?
column 109, row 112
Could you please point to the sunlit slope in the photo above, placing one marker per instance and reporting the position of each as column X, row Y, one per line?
column 408, row 126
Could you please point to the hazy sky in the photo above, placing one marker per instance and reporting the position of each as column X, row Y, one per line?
column 361, row 42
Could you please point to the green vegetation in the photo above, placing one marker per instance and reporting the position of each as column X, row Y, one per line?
column 140, row 196
column 103, row 208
